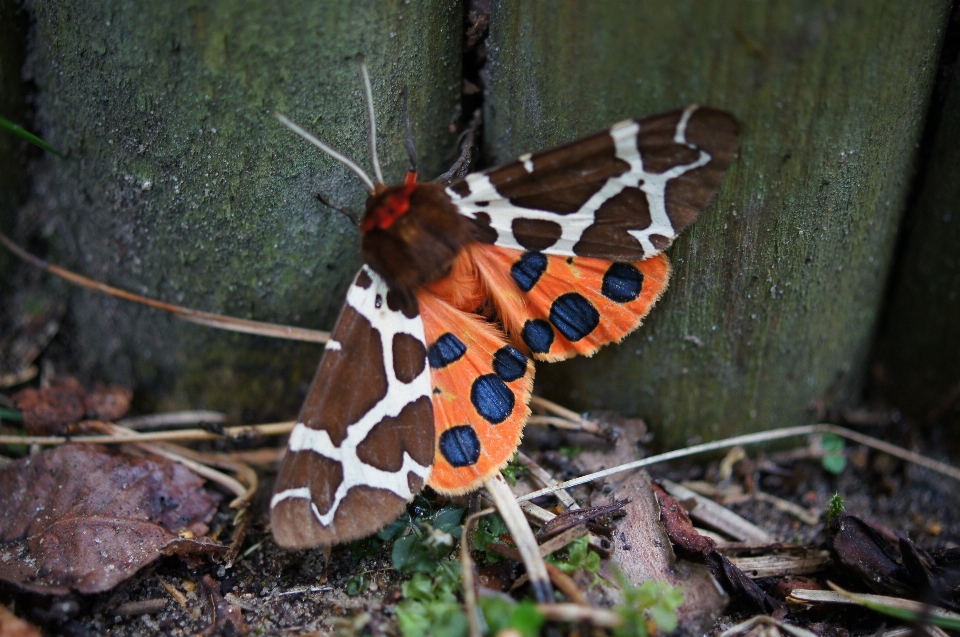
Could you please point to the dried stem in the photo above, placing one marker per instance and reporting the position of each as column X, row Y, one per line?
column 194, row 316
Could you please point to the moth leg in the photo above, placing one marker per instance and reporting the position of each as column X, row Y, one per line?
column 349, row 214
column 462, row 165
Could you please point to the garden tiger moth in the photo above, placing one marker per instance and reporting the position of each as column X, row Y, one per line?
column 563, row 250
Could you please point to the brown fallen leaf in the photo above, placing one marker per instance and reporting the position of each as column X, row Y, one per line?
column 47, row 410
column 690, row 545
column 84, row 517
column 107, row 403
column 50, row 410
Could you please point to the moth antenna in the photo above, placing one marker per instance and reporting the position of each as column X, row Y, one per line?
column 408, row 142
column 330, row 151
column 373, row 123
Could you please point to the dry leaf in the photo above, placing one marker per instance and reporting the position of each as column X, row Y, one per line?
column 84, row 517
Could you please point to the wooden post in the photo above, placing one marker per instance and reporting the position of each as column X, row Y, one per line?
column 777, row 288
column 179, row 182
column 919, row 354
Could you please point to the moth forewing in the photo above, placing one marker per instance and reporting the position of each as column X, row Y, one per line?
column 364, row 441
column 621, row 195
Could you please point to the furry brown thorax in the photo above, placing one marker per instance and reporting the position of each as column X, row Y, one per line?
column 411, row 234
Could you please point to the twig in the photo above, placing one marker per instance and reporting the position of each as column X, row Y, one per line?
column 270, row 429
column 523, row 536
column 177, row 596
column 545, row 479
column 172, row 419
column 579, row 422
column 209, row 319
column 752, row 439
column 600, row 617
column 932, row 614
column 744, row 627
column 466, row 570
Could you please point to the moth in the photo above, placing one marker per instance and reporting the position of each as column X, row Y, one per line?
column 428, row 372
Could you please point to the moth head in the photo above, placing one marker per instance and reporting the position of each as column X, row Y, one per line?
column 388, row 203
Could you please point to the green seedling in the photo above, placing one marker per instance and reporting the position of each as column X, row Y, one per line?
column 489, row 531
column 650, row 607
column 578, row 556
column 833, row 460
column 430, row 606
column 834, row 509
column 501, row 613
column 513, row 470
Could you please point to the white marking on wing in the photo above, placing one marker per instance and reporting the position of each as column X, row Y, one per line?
column 625, row 138
column 525, row 160
column 333, row 345
column 680, row 136
column 355, row 472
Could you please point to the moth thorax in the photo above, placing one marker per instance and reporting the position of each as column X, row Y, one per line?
column 411, row 234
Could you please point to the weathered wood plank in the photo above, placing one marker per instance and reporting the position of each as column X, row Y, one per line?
column 919, row 354
column 777, row 288
column 179, row 183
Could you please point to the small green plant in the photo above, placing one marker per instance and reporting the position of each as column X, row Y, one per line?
column 833, row 459
column 11, row 415
column 489, row 530
column 513, row 470
column 570, row 452
column 430, row 606
column 578, row 555
column 356, row 585
column 501, row 613
column 650, row 607
column 834, row 509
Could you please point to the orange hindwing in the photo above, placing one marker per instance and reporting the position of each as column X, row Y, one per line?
column 480, row 388
column 557, row 306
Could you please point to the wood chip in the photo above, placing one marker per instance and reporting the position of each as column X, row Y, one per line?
column 781, row 565
column 142, row 607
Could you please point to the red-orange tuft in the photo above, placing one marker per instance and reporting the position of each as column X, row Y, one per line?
column 392, row 208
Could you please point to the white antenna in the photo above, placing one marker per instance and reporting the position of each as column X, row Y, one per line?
column 343, row 160
column 373, row 122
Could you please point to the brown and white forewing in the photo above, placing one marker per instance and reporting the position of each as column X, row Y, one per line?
column 623, row 194
column 364, row 442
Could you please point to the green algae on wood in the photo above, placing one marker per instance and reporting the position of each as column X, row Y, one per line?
column 179, row 183
column 777, row 288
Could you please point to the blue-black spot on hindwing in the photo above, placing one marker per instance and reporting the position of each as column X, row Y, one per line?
column 538, row 335
column 622, row 282
column 460, row 446
column 445, row 350
column 528, row 269
column 509, row 364
column 492, row 398
column 574, row 316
